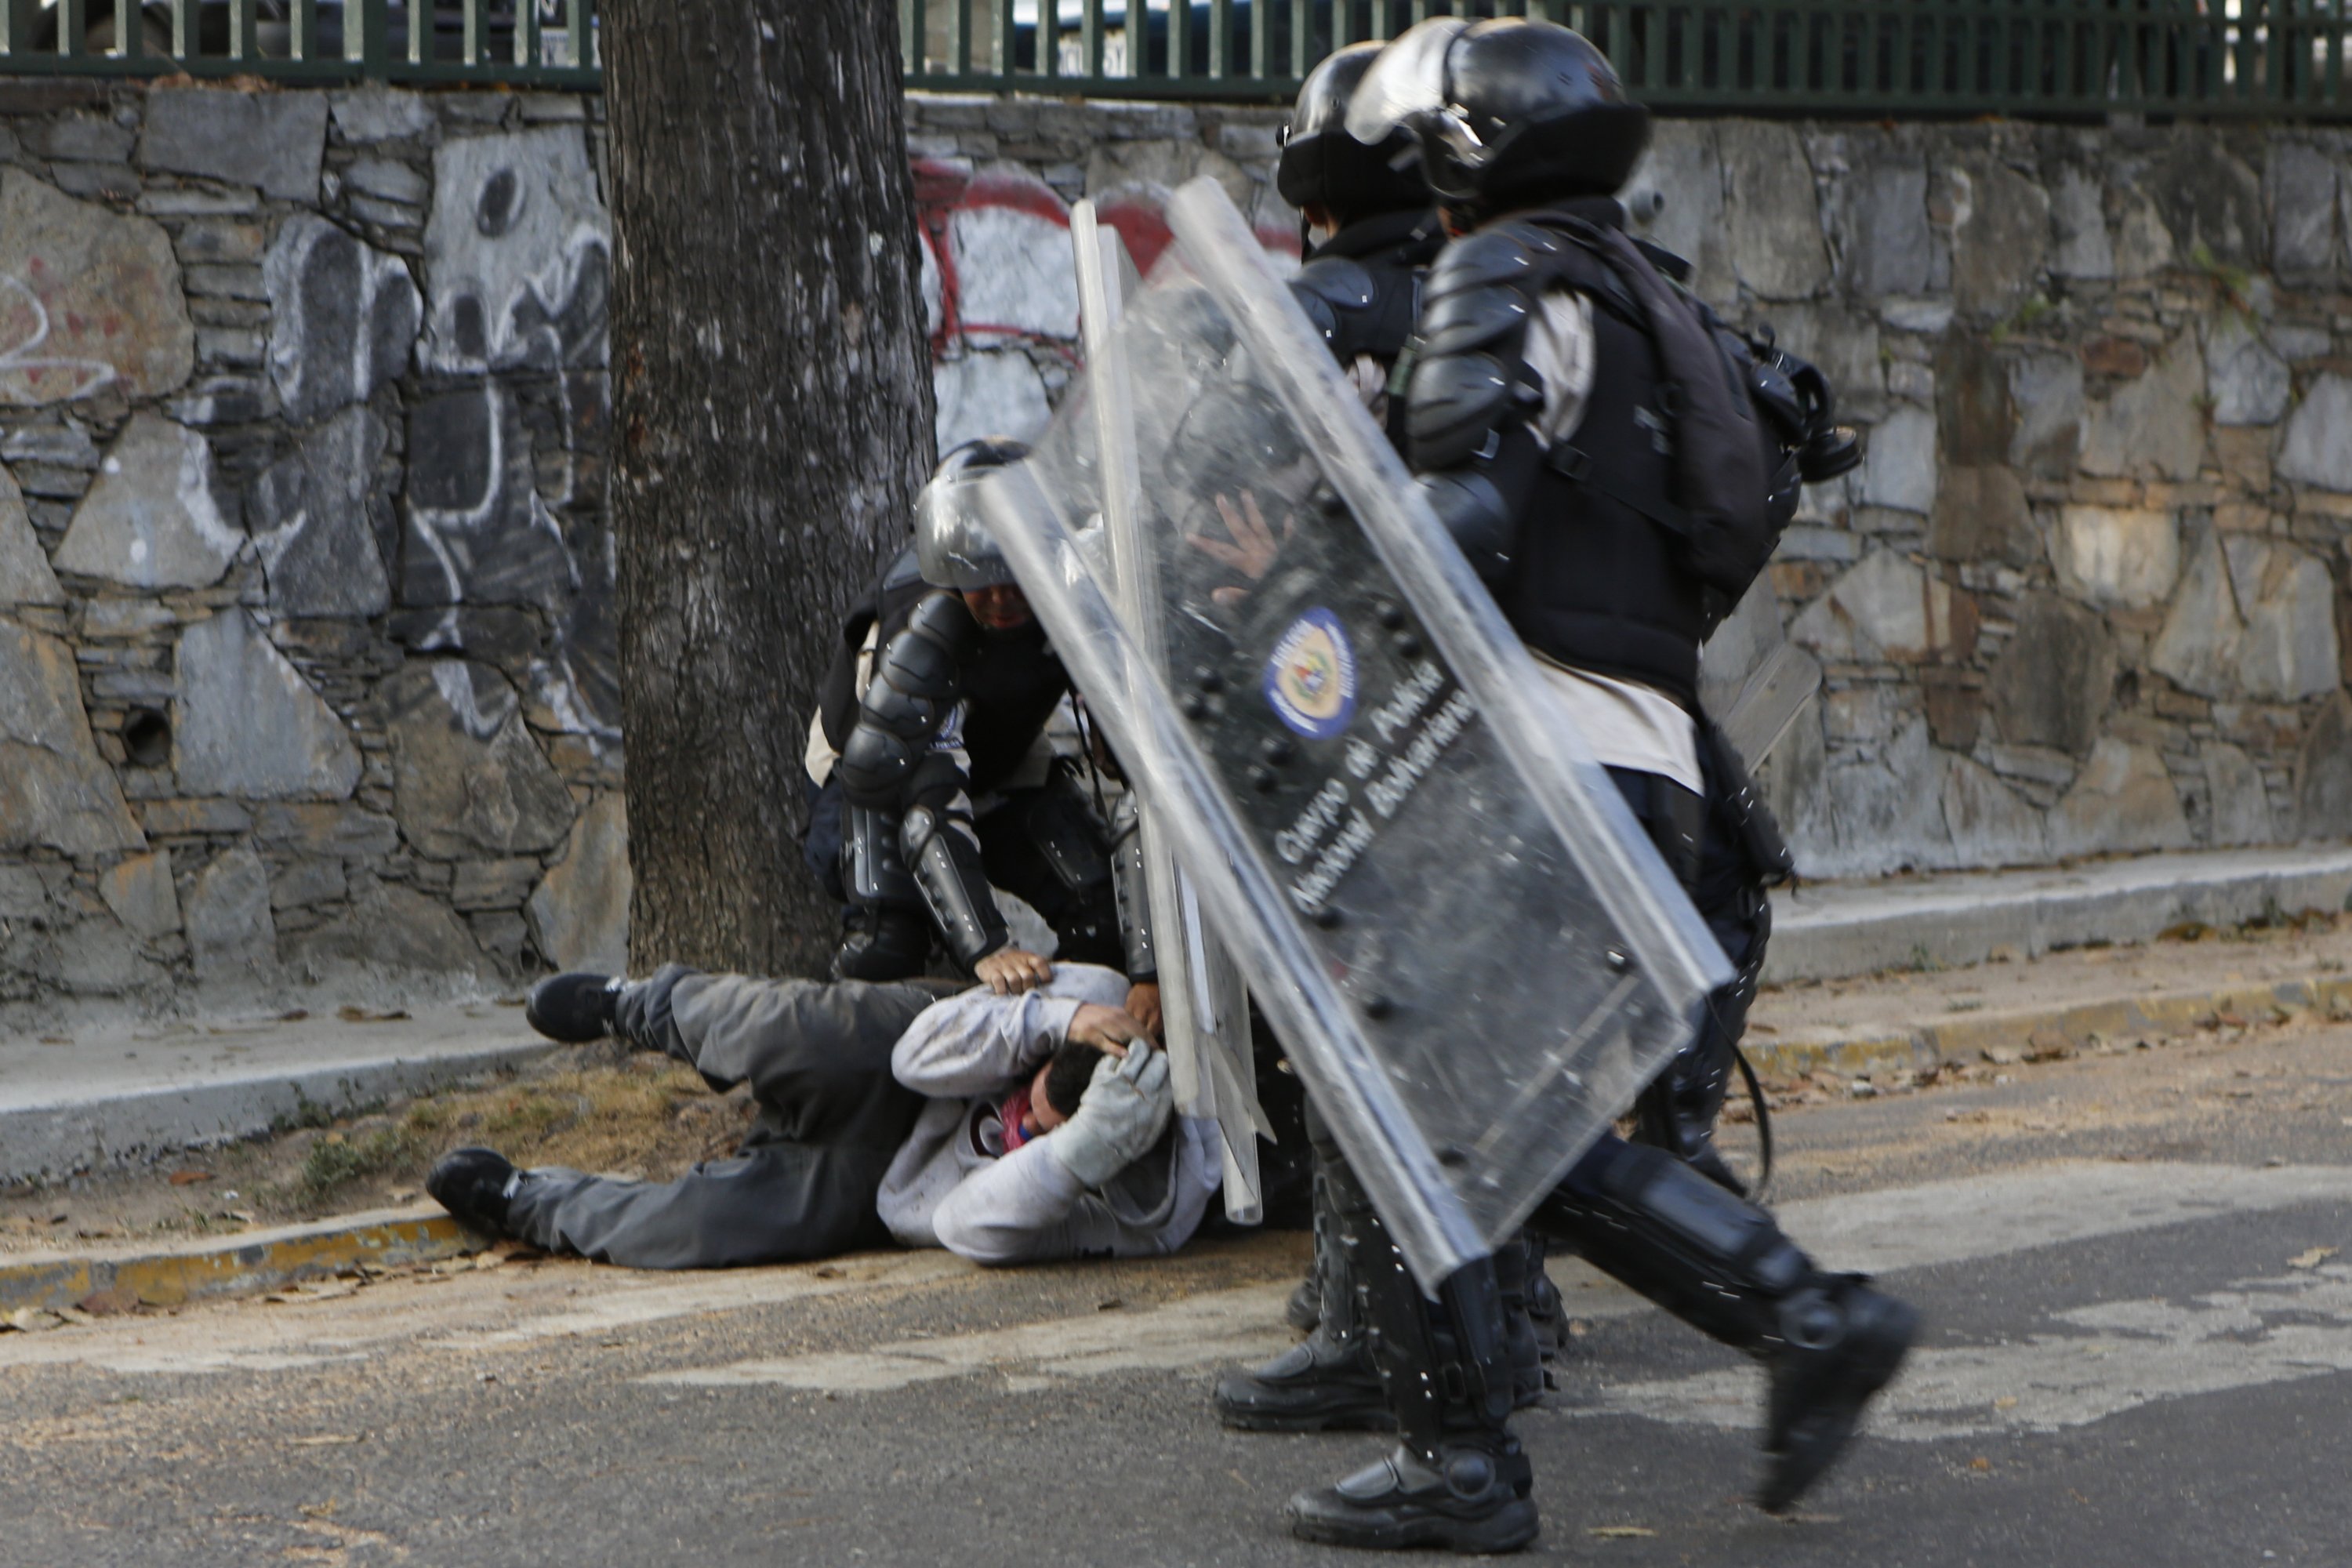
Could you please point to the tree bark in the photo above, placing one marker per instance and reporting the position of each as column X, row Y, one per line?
column 772, row 413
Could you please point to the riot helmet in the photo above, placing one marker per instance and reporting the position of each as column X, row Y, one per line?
column 1509, row 111
column 1323, row 165
column 952, row 546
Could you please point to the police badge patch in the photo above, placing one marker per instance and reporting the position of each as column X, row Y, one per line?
column 1310, row 680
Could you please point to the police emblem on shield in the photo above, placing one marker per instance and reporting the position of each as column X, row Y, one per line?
column 1310, row 681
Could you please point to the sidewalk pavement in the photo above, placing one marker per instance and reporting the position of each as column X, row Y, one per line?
column 70, row 1102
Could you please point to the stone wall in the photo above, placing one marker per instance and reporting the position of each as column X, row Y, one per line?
column 306, row 656
column 2086, row 594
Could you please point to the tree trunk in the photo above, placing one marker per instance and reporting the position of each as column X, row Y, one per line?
column 773, row 409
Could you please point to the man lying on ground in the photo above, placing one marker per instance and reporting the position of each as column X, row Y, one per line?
column 1004, row 1128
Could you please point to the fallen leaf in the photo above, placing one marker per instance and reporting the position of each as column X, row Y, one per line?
column 2000, row 1055
column 2006, row 1402
column 1619, row 1531
column 828, row 1272
column 242, row 1216
column 350, row 1013
column 190, row 1178
column 294, row 1016
column 323, row 1440
column 2313, row 1258
column 1110, row 1305
column 1980, row 1463
column 30, row 1320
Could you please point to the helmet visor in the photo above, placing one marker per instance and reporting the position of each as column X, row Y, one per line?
column 1405, row 84
column 951, row 546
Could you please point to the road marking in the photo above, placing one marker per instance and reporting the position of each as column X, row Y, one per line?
column 2096, row 1362
column 1881, row 1232
column 1223, row 1325
column 728, row 1292
column 2010, row 1210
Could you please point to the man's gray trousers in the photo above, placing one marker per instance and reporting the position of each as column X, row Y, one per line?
column 802, row 1185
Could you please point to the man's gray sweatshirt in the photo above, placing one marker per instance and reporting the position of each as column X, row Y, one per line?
column 954, row 1185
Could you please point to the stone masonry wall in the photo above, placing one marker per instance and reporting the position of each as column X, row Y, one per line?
column 306, row 652
column 2088, row 592
column 306, row 656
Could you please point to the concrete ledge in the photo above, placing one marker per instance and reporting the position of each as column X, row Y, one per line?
column 1826, row 931
column 85, row 1103
column 2051, row 1031
column 237, row 1266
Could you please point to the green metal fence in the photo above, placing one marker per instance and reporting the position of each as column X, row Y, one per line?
column 541, row 43
column 2054, row 59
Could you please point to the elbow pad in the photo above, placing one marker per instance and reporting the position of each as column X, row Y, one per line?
column 947, row 870
column 916, row 683
column 1133, row 890
column 1473, row 511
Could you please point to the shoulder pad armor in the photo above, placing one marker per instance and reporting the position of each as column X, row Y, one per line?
column 1513, row 254
column 917, row 681
column 1452, row 404
column 1319, row 310
column 1343, row 280
column 1474, row 319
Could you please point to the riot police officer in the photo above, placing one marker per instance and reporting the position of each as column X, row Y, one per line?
column 1581, row 430
column 929, row 751
column 1361, row 287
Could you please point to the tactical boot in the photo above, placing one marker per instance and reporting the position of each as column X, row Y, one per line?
column 1547, row 1313
column 575, row 1008
column 1305, row 1308
column 1470, row 1498
column 882, row 943
column 1841, row 1342
column 1319, row 1385
column 476, row 1186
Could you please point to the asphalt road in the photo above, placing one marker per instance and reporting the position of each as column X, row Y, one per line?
column 2139, row 1352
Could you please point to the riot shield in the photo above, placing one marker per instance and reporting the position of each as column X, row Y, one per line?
column 1471, row 952
column 1204, row 1005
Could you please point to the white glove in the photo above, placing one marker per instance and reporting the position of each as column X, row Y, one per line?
column 1122, row 1115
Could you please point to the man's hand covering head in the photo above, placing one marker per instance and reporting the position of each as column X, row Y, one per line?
column 1122, row 1114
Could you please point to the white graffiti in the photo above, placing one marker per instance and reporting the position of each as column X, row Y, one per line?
column 20, row 360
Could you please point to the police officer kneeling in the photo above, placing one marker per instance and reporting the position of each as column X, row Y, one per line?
column 1592, row 446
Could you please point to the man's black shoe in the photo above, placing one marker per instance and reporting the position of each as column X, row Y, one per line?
column 878, row 944
column 1313, row 1386
column 1305, row 1308
column 575, row 1008
column 1469, row 1501
column 476, row 1185
column 1843, row 1341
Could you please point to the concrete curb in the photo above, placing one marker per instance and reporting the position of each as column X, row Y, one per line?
column 244, row 1265
column 57, row 1139
column 2047, row 1030
column 1829, row 930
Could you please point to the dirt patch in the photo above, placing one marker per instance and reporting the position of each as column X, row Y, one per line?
column 598, row 1108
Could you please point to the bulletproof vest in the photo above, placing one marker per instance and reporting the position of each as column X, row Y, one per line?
column 1608, row 568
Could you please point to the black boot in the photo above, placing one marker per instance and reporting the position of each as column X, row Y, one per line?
column 882, row 941
column 575, row 1008
column 1547, row 1313
column 476, row 1185
column 1327, row 1382
column 1723, row 1265
column 1520, row 1338
column 1459, row 1480
column 1841, row 1342
column 1305, row 1308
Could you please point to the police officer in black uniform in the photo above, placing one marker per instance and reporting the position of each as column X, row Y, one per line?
column 1361, row 287
column 938, row 778
column 1598, row 454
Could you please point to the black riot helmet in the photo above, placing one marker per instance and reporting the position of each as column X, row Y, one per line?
column 952, row 546
column 1508, row 112
column 1322, row 165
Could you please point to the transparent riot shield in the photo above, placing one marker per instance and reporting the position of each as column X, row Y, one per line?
column 1472, row 953
column 1204, row 1004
